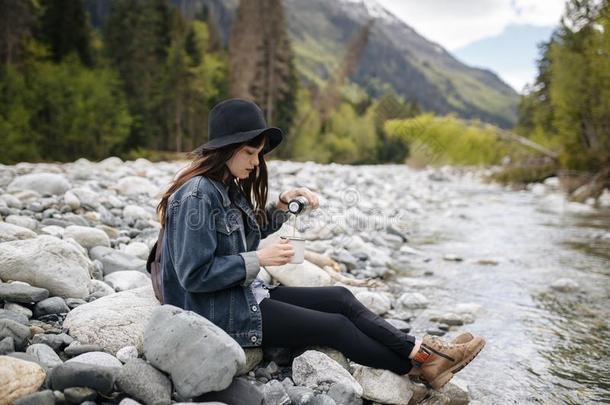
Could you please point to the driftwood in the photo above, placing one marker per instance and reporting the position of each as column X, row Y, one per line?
column 594, row 188
column 334, row 271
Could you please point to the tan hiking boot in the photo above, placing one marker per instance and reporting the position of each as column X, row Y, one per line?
column 465, row 337
column 439, row 361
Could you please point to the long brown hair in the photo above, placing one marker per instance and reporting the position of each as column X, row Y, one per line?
column 212, row 164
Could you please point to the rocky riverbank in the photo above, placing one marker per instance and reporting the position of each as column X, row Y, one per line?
column 80, row 323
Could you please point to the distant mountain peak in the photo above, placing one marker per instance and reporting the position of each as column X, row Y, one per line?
column 373, row 9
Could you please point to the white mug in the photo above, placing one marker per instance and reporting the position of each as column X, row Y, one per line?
column 298, row 244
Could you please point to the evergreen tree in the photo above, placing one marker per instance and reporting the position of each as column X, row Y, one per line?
column 17, row 22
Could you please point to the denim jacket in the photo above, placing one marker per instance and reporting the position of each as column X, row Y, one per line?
column 205, row 266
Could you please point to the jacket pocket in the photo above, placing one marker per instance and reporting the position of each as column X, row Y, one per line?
column 229, row 237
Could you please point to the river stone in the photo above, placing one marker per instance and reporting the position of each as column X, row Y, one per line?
column 410, row 301
column 127, row 280
column 19, row 332
column 52, row 305
column 97, row 358
column 376, row 302
column 11, row 232
column 275, row 394
column 342, row 394
column 55, row 341
column 14, row 316
column 80, row 395
column 115, row 260
column 565, row 285
column 179, row 342
column 127, row 353
column 86, row 236
column 45, row 355
column 75, row 348
column 25, row 294
column 312, row 368
column 86, row 197
column 137, row 249
column 43, row 183
column 99, row 288
column 131, row 213
column 47, row 262
column 45, row 397
column 77, row 374
column 23, row 221
column 383, row 386
column 7, row 345
column 18, row 378
column 241, row 391
column 254, row 355
column 305, row 274
column 135, row 185
column 301, row 395
column 20, row 309
column 71, row 200
column 113, row 321
column 145, row 383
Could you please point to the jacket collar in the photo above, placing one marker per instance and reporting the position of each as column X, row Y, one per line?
column 238, row 199
column 223, row 190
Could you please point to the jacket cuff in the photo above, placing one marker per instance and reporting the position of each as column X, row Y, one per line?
column 252, row 267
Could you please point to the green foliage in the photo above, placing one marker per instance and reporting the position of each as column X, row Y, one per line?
column 448, row 140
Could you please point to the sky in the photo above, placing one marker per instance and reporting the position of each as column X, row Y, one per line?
column 501, row 35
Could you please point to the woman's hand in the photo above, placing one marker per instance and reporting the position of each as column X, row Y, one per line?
column 311, row 197
column 276, row 254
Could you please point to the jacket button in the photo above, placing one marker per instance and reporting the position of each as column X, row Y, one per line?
column 254, row 308
column 253, row 339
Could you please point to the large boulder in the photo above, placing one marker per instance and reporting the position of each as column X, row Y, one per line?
column 313, row 367
column 18, row 378
column 384, row 386
column 43, row 183
column 114, row 321
column 47, row 262
column 199, row 356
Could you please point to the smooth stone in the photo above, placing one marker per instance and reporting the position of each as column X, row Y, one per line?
column 77, row 374
column 45, row 355
column 74, row 302
column 55, row 341
column 52, row 305
column 75, row 348
column 47, row 262
column 7, row 345
column 305, row 274
column 53, row 230
column 19, row 332
column 115, row 260
column 145, row 383
column 97, row 358
column 135, row 185
column 24, row 294
column 18, row 378
column 409, row 301
column 254, row 355
column 20, row 309
column 44, row 397
column 178, row 342
column 99, row 288
column 79, row 395
column 127, row 353
column 44, row 183
column 132, row 213
column 129, row 401
column 113, row 321
column 22, row 221
column 376, row 302
column 13, row 316
column 240, row 391
column 87, row 198
column 87, row 237
column 71, row 200
column 127, row 280
column 313, row 367
column 565, row 285
column 383, row 386
column 301, row 395
column 10, row 232
column 137, row 249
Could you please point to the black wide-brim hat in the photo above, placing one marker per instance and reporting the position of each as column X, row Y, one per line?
column 235, row 121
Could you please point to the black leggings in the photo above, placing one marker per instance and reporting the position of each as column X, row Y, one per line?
column 333, row 317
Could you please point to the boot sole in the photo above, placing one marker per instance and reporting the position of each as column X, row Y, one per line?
column 445, row 377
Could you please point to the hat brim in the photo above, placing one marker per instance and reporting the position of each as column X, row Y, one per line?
column 274, row 135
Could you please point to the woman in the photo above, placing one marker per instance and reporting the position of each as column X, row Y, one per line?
column 214, row 216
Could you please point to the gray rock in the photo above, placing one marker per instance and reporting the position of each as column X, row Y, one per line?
column 457, row 395
column 254, row 355
column 10, row 232
column 75, row 348
column 383, row 386
column 22, row 293
column 127, row 280
column 77, row 374
column 129, row 401
column 55, row 341
column 79, row 395
column 343, row 394
column 44, row 183
column 323, row 399
column 46, row 262
column 300, row 395
column 97, row 358
column 376, row 302
column 45, row 355
column 23, row 221
column 86, row 236
column 312, row 367
column 127, row 353
column 20, row 309
column 114, row 321
column 74, row 302
column 565, row 285
column 136, row 185
column 239, row 392
column 45, row 397
column 20, row 333
column 275, row 394
column 87, row 198
column 99, row 288
column 436, row 398
column 52, row 305
column 409, row 301
column 14, row 316
column 115, row 260
column 145, row 383
column 7, row 345
column 179, row 342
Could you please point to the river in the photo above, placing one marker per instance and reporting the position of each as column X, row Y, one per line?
column 543, row 346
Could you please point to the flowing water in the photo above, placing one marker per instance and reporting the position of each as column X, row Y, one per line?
column 543, row 346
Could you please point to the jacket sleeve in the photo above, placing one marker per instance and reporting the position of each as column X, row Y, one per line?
column 193, row 243
column 275, row 219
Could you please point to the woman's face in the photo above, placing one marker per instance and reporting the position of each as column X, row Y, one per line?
column 244, row 161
